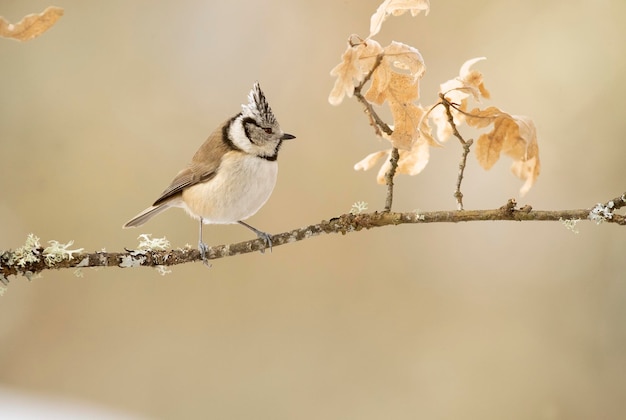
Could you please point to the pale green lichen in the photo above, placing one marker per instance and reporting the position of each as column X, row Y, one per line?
column 570, row 224
column 156, row 244
column 600, row 212
column 358, row 207
column 27, row 253
column 58, row 252
column 162, row 270
column 31, row 275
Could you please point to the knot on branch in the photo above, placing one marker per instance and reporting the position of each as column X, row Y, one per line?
column 509, row 207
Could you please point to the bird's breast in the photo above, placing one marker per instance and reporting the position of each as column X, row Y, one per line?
column 242, row 185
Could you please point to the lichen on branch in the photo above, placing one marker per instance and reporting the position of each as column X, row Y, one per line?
column 30, row 259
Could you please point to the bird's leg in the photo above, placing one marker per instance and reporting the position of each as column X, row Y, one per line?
column 265, row 236
column 202, row 247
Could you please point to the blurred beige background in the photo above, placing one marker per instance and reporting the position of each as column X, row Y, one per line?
column 472, row 321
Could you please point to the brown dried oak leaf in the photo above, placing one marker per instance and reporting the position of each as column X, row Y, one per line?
column 513, row 135
column 31, row 26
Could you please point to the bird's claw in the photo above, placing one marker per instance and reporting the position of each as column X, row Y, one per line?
column 268, row 240
column 203, row 248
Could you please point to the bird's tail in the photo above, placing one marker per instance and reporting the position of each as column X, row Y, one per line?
column 146, row 215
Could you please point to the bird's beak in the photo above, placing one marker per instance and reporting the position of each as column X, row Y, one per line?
column 286, row 136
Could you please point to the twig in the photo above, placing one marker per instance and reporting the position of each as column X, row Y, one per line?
column 375, row 120
column 391, row 173
column 458, row 195
column 343, row 224
column 379, row 127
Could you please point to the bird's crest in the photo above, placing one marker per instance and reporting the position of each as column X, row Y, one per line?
column 258, row 108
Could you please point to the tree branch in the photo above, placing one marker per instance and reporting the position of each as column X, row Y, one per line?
column 343, row 224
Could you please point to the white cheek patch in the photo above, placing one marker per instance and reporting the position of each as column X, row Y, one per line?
column 238, row 136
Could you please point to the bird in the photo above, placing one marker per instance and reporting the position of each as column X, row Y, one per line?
column 231, row 176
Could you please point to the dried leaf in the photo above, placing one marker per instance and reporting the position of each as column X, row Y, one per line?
column 396, row 8
column 400, row 93
column 411, row 162
column 370, row 160
column 457, row 91
column 526, row 165
column 406, row 117
column 468, row 83
column 489, row 145
column 396, row 80
column 397, row 58
column 384, row 168
column 473, row 79
column 31, row 26
column 425, row 131
column 478, row 118
column 405, row 57
column 346, row 72
column 356, row 62
column 440, row 119
column 377, row 92
column 512, row 135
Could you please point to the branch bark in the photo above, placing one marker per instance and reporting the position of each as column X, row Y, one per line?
column 343, row 224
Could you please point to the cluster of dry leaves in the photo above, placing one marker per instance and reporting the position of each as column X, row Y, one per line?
column 394, row 78
column 394, row 73
column 31, row 26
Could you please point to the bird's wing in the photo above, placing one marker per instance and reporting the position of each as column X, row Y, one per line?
column 202, row 168
column 185, row 178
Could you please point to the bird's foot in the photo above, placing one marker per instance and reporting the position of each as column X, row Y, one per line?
column 267, row 238
column 262, row 235
column 203, row 248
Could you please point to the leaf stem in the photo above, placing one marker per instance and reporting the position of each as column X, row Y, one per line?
column 466, row 144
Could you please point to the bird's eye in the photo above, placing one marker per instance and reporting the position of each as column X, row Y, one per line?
column 268, row 130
